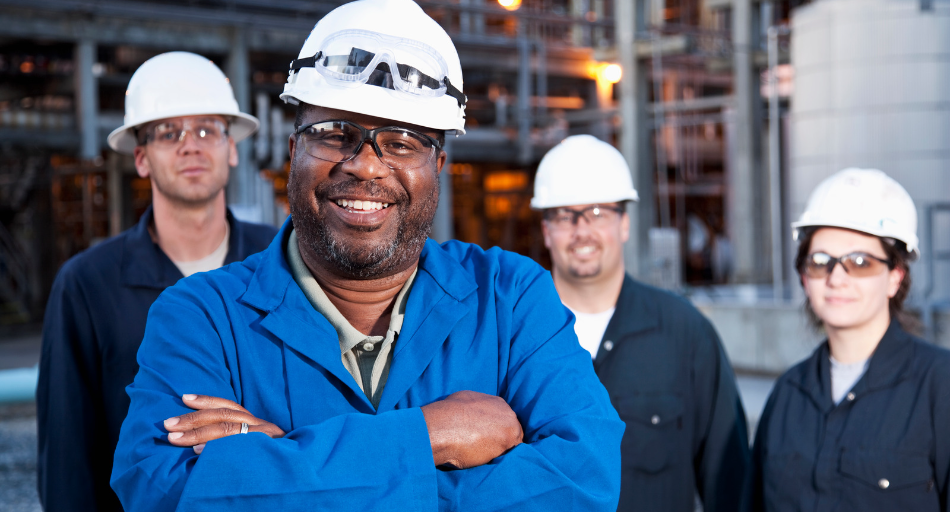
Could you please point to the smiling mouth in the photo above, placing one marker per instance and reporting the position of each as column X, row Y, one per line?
column 584, row 250
column 361, row 206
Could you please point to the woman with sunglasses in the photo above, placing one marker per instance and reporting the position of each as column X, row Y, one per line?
column 864, row 423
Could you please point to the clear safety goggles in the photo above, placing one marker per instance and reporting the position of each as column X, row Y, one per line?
column 819, row 265
column 371, row 58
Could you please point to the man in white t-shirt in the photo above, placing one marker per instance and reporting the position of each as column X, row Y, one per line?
column 659, row 358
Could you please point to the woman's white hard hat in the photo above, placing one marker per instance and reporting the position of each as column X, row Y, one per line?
column 407, row 35
column 865, row 200
column 582, row 169
column 178, row 84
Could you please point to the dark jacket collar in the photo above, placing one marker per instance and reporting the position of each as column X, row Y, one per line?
column 633, row 313
column 144, row 264
column 888, row 365
column 636, row 312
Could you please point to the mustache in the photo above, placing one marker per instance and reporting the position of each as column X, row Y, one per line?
column 361, row 188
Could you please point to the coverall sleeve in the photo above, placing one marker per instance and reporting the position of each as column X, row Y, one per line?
column 330, row 463
column 723, row 459
column 73, row 445
column 570, row 458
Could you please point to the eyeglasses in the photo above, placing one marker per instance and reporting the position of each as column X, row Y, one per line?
column 596, row 216
column 340, row 141
column 819, row 265
column 206, row 133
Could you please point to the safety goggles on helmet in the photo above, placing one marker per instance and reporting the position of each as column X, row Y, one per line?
column 339, row 141
column 364, row 57
column 819, row 265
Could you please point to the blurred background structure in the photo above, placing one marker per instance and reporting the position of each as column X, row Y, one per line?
column 728, row 111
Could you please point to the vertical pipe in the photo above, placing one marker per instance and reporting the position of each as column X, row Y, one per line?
column 743, row 224
column 524, row 95
column 778, row 285
column 625, row 26
column 87, row 96
column 465, row 18
column 262, row 137
column 541, row 80
column 243, row 182
column 659, row 124
column 278, row 139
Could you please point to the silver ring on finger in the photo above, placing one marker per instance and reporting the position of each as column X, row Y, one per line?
column 244, row 428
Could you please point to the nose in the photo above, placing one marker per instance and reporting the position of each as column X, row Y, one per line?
column 366, row 165
column 581, row 225
column 838, row 275
column 188, row 143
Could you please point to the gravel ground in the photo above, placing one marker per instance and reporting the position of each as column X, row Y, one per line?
column 18, row 458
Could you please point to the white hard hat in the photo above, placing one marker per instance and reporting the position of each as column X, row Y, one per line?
column 582, row 170
column 346, row 64
column 177, row 84
column 865, row 200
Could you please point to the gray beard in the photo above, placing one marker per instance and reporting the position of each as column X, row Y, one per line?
column 367, row 263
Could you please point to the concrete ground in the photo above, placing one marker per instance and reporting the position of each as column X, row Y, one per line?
column 18, row 458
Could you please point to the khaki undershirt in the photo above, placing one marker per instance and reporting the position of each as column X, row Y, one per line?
column 370, row 368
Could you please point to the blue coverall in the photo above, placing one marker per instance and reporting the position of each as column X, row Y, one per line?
column 487, row 321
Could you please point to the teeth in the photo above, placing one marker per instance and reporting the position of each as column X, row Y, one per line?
column 365, row 206
column 587, row 249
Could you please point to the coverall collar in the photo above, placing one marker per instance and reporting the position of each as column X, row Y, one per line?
column 434, row 306
column 634, row 312
column 888, row 366
column 144, row 264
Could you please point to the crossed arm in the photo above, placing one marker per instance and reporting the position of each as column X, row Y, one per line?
column 466, row 429
column 549, row 396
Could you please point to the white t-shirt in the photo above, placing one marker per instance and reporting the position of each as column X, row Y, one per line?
column 590, row 328
column 209, row 262
column 844, row 377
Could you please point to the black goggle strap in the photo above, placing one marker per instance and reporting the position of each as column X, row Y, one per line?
column 356, row 56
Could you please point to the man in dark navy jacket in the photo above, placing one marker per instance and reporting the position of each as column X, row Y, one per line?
column 181, row 123
column 660, row 360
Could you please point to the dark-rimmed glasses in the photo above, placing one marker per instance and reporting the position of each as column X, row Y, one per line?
column 339, row 141
column 596, row 215
column 206, row 133
column 819, row 265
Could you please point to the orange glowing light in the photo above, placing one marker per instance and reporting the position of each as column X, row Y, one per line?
column 511, row 5
column 611, row 73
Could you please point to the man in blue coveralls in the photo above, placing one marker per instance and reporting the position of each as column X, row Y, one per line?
column 356, row 364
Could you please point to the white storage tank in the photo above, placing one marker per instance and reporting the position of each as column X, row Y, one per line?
column 872, row 89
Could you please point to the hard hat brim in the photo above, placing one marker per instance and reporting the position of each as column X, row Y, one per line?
column 911, row 242
column 628, row 195
column 242, row 126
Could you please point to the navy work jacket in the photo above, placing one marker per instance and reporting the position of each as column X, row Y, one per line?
column 885, row 447
column 486, row 321
column 669, row 378
column 94, row 323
